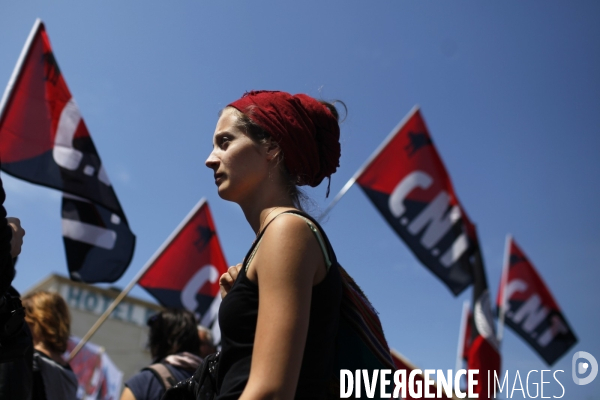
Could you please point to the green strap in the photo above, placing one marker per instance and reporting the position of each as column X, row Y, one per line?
column 314, row 230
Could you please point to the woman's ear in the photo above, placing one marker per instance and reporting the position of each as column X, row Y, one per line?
column 273, row 150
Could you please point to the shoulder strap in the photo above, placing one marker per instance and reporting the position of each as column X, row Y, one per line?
column 317, row 231
column 163, row 374
column 318, row 235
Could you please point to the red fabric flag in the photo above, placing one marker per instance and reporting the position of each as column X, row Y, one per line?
column 44, row 140
column 185, row 271
column 407, row 181
column 530, row 309
column 466, row 338
column 403, row 364
column 484, row 354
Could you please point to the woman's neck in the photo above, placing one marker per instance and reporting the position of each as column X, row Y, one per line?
column 54, row 355
column 260, row 203
column 259, row 212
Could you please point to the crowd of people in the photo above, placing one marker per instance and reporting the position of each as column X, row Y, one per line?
column 280, row 312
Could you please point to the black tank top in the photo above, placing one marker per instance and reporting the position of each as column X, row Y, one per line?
column 237, row 319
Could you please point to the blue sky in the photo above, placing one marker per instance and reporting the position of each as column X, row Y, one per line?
column 510, row 92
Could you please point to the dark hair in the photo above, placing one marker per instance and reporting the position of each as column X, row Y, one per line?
column 172, row 331
column 259, row 135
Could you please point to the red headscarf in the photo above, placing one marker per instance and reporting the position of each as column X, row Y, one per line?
column 307, row 132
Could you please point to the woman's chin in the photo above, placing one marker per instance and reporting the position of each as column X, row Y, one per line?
column 230, row 195
column 224, row 193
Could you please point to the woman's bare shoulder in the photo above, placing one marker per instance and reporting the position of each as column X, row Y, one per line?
column 292, row 230
column 288, row 240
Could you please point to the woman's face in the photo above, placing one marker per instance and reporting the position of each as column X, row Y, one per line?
column 238, row 162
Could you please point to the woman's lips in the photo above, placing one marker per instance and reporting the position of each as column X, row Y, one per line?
column 219, row 178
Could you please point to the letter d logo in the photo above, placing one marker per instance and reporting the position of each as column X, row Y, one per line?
column 583, row 367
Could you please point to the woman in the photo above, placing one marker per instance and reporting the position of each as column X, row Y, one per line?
column 280, row 310
column 174, row 347
column 49, row 320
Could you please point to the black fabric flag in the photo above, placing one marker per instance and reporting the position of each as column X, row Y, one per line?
column 97, row 241
column 408, row 183
column 529, row 308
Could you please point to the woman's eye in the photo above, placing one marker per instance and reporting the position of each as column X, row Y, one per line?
column 224, row 141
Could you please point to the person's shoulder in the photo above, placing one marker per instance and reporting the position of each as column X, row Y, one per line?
column 289, row 225
column 145, row 385
column 291, row 241
column 142, row 377
column 179, row 373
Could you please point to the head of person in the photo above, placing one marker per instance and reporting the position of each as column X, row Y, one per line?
column 293, row 140
column 207, row 345
column 172, row 331
column 49, row 320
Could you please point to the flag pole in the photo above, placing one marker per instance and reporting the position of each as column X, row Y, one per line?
column 137, row 277
column 461, row 334
column 17, row 71
column 503, row 281
column 373, row 156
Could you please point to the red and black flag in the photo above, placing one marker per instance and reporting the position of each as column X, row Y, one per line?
column 465, row 336
column 44, row 140
column 527, row 306
column 185, row 271
column 98, row 243
column 483, row 351
column 407, row 181
column 464, row 340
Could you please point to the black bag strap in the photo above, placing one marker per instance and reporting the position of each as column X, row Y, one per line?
column 200, row 386
column 163, row 374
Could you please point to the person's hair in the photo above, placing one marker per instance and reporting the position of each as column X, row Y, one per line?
column 48, row 317
column 259, row 135
column 172, row 331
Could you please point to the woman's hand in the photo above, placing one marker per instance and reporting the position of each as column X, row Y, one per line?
column 17, row 236
column 228, row 278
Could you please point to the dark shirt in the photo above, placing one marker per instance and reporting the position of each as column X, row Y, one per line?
column 7, row 271
column 146, row 386
column 16, row 346
column 52, row 380
column 238, row 317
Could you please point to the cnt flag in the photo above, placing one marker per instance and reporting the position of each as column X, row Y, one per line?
column 185, row 271
column 527, row 306
column 98, row 244
column 44, row 140
column 484, row 348
column 464, row 339
column 465, row 336
column 407, row 181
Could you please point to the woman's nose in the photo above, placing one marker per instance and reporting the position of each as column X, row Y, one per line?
column 212, row 161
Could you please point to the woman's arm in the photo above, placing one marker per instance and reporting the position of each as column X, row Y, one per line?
column 287, row 264
column 127, row 394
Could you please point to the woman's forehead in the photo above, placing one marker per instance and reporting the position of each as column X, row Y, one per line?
column 227, row 119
